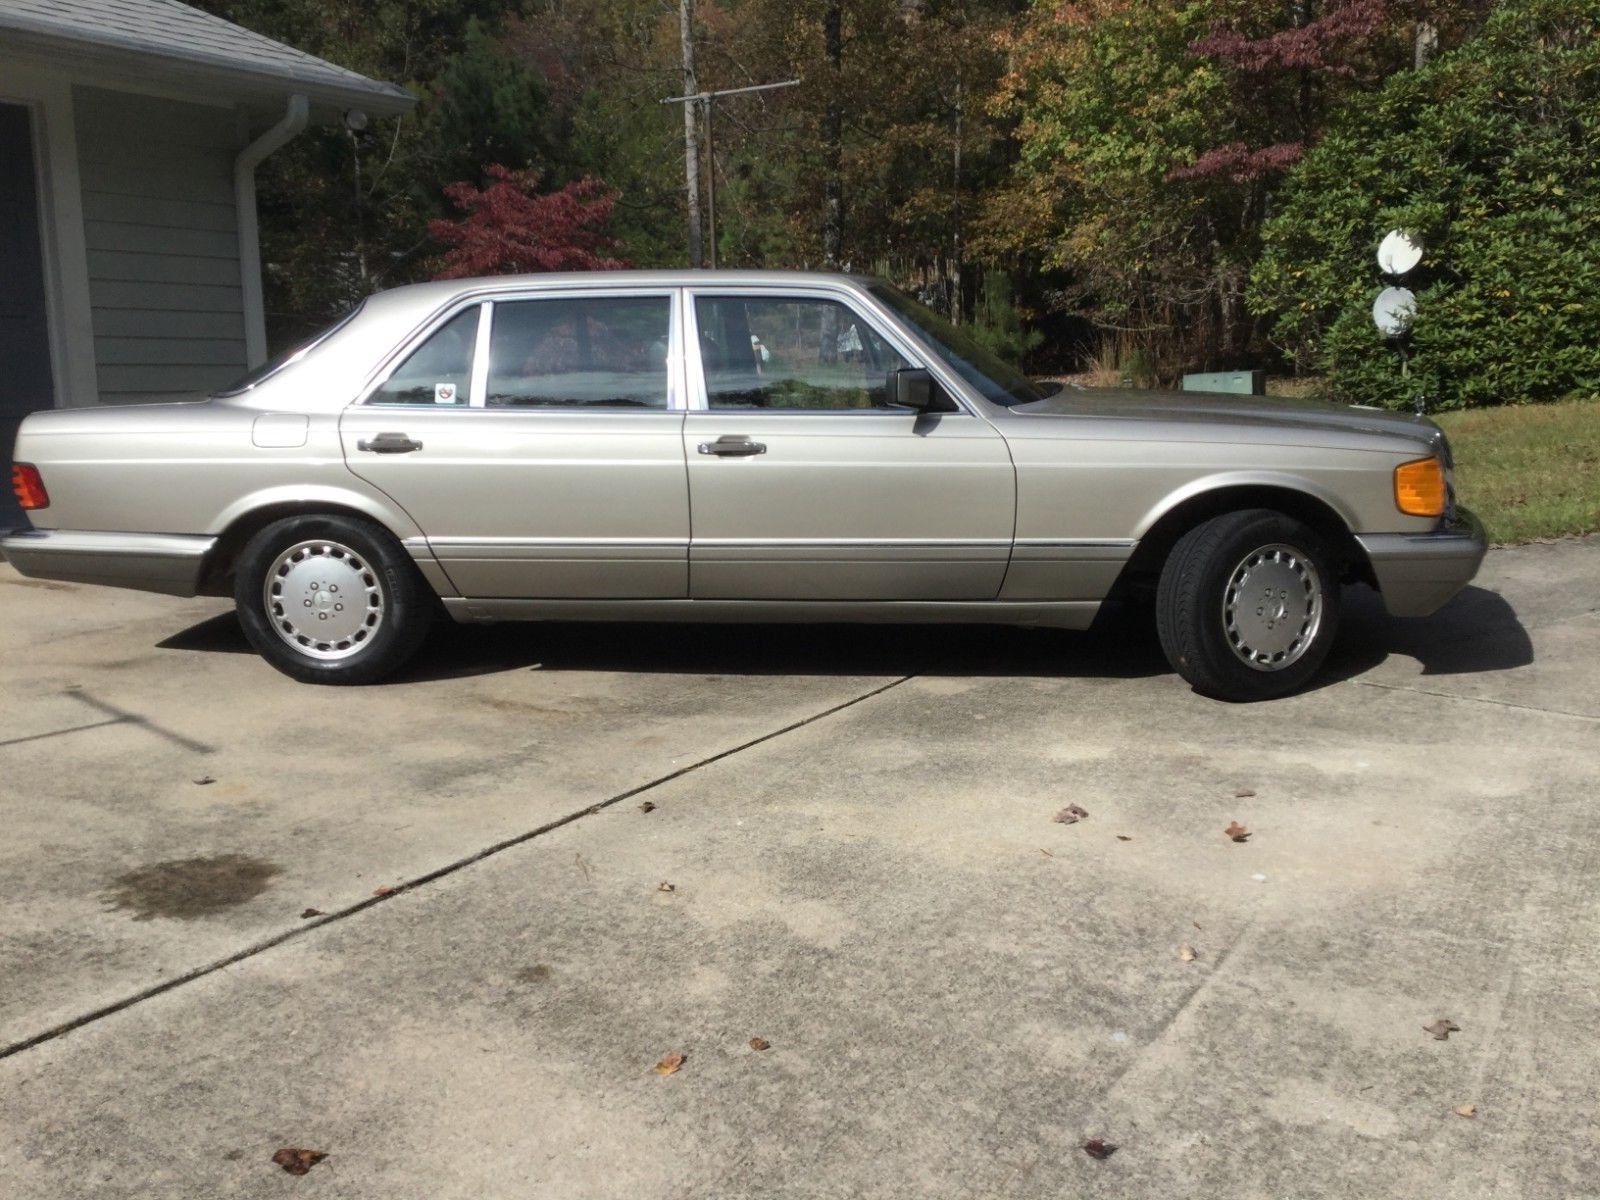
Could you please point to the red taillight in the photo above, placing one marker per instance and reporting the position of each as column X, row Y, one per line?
column 29, row 486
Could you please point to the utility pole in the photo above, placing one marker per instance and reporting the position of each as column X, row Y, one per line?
column 833, row 139
column 708, row 99
column 691, row 144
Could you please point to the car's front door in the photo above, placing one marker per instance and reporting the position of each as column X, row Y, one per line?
column 806, row 485
column 536, row 441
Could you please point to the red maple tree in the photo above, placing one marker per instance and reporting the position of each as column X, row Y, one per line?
column 1320, row 42
column 509, row 227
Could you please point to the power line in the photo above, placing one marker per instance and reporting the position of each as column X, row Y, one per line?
column 708, row 100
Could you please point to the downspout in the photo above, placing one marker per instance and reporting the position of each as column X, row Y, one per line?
column 244, row 197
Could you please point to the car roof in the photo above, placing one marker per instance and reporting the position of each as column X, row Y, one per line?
column 441, row 290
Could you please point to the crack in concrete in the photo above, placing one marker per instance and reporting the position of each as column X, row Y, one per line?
column 1549, row 712
column 450, row 868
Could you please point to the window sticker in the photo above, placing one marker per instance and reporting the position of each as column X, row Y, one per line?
column 444, row 393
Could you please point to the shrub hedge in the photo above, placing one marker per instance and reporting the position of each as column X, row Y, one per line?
column 1491, row 154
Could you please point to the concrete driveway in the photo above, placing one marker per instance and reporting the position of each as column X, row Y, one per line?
column 431, row 930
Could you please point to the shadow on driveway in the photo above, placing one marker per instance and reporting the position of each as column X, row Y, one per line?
column 1477, row 631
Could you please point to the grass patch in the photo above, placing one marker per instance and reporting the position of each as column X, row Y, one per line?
column 1529, row 472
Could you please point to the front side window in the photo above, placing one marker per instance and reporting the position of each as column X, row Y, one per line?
column 582, row 352
column 791, row 354
column 440, row 370
column 994, row 378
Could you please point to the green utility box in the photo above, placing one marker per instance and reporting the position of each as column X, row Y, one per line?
column 1243, row 383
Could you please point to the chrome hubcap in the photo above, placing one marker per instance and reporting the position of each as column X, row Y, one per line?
column 1272, row 608
column 323, row 599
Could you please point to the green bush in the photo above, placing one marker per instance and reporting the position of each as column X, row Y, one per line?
column 1489, row 155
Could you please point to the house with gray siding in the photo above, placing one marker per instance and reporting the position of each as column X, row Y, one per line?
column 130, row 131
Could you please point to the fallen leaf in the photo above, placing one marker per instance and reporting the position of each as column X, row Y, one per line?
column 205, row 779
column 671, row 1064
column 648, row 806
column 664, row 886
column 1442, row 1029
column 1186, row 952
column 1242, row 793
column 1237, row 831
column 1466, row 1110
column 1071, row 815
column 1045, row 852
column 1097, row 1148
column 385, row 890
column 1122, row 837
column 296, row 1161
column 312, row 912
column 760, row 1044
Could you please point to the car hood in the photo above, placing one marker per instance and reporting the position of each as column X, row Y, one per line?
column 1258, row 413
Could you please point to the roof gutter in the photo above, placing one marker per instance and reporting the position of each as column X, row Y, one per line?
column 244, row 195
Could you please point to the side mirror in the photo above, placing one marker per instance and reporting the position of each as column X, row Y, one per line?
column 911, row 387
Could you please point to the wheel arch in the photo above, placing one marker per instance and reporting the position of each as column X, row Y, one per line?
column 1161, row 528
column 243, row 520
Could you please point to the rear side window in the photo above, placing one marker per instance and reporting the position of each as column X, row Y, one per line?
column 440, row 370
column 580, row 352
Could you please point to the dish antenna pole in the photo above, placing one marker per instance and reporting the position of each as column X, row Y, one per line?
column 708, row 101
column 1395, row 308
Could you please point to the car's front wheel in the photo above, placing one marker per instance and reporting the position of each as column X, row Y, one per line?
column 330, row 599
column 1248, row 605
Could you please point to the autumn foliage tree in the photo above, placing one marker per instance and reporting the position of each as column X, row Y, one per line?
column 509, row 227
column 1153, row 141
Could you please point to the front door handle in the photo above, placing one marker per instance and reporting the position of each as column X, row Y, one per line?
column 388, row 443
column 733, row 445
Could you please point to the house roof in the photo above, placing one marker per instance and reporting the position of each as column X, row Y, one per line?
column 164, row 40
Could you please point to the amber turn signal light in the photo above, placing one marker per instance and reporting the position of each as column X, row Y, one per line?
column 1419, row 488
column 29, row 487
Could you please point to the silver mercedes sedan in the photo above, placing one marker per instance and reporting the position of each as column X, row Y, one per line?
column 732, row 446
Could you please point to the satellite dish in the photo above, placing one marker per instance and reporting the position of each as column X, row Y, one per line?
column 1399, row 252
column 1393, row 310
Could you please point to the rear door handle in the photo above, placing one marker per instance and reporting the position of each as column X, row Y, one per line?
column 733, row 445
column 388, row 443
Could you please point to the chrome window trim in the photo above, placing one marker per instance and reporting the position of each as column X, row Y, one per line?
column 871, row 317
column 480, row 357
column 485, row 299
column 669, row 294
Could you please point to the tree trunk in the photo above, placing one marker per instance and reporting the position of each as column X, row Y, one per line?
column 832, row 140
column 691, row 133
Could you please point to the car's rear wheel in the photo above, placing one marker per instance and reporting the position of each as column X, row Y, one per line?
column 330, row 599
column 1248, row 605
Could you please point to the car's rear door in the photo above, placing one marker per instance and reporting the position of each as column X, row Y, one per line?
column 535, row 438
column 805, row 485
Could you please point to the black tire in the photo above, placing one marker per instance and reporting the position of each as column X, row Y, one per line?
column 1198, row 593
column 390, row 604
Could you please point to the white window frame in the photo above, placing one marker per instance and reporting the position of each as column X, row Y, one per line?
column 58, row 200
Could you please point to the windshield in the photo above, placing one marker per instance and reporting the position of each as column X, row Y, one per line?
column 272, row 366
column 995, row 379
